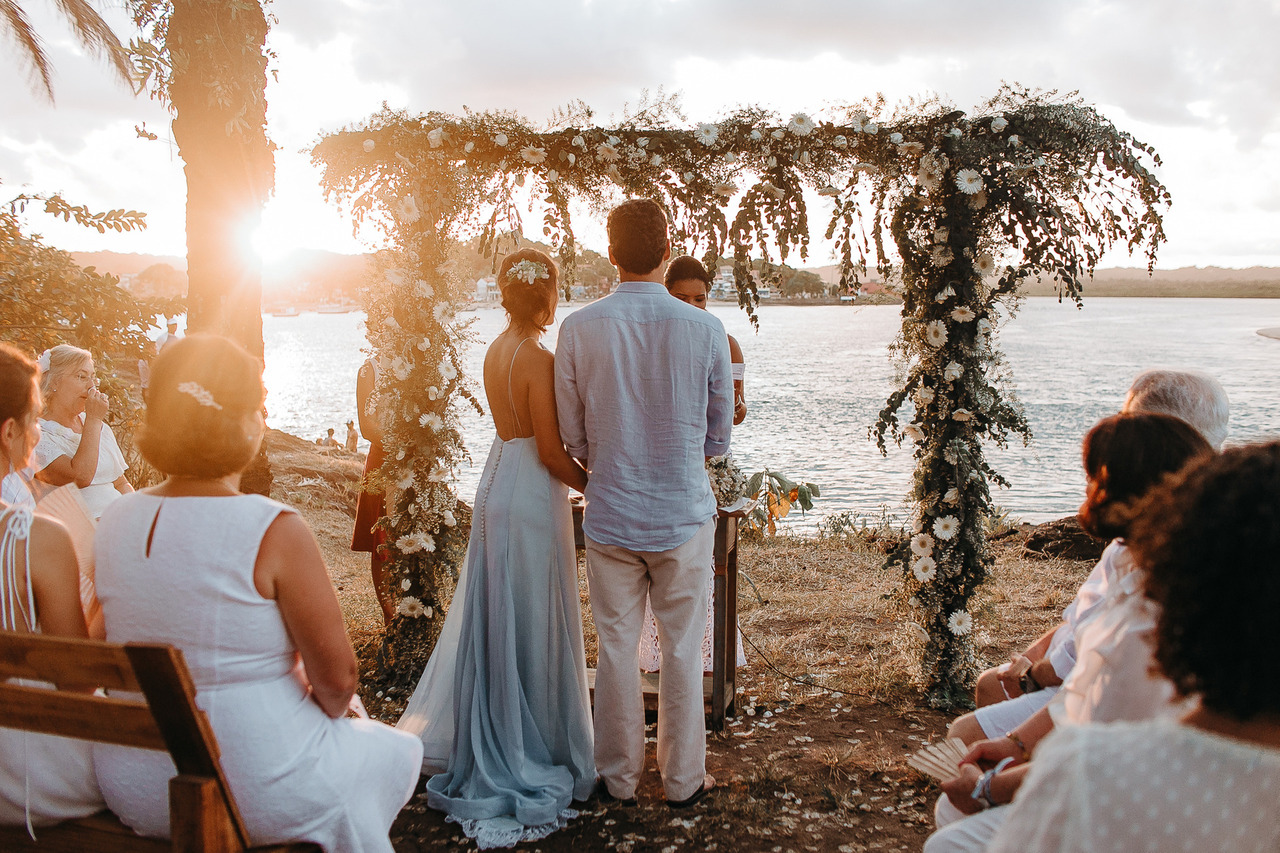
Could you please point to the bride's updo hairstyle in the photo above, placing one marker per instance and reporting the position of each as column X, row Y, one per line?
column 528, row 279
column 203, row 408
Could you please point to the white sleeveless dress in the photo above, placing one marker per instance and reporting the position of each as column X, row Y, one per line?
column 43, row 778
column 180, row 571
column 502, row 707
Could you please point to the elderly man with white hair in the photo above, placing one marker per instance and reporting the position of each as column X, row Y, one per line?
column 1107, row 624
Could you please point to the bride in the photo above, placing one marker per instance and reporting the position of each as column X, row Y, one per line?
column 502, row 707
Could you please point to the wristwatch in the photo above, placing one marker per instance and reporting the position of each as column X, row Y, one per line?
column 1027, row 682
column 982, row 790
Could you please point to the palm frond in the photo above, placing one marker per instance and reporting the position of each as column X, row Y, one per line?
column 94, row 33
column 28, row 45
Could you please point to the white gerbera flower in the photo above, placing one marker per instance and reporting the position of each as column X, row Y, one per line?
column 968, row 181
column 447, row 371
column 706, row 133
column 432, row 420
column 771, row 189
column 500, row 139
column 952, row 496
column 999, row 123
column 913, row 432
column 406, row 210
column 927, row 180
column 863, row 167
column 985, row 264
column 942, row 256
column 924, row 569
column 411, row 607
column 801, row 125
column 921, row 544
column 911, row 149
column 952, row 371
column 829, row 190
column 369, row 145
column 963, row 314
column 946, row 527
column 960, row 623
column 924, row 394
column 962, row 415
column 405, row 481
column 936, row 333
column 533, row 155
column 436, row 137
column 724, row 190
column 608, row 153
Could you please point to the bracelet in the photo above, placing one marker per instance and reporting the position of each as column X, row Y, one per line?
column 1013, row 736
column 982, row 790
column 1028, row 684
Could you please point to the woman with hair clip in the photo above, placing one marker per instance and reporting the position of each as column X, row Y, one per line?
column 502, row 707
column 238, row 584
column 43, row 779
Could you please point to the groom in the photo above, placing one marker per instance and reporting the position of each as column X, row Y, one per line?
column 644, row 393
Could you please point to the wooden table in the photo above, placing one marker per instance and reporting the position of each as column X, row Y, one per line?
column 720, row 688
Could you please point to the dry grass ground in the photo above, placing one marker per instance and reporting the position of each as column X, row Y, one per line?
column 814, row 761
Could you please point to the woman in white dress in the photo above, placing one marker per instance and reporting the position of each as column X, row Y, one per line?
column 502, row 707
column 1208, row 542
column 687, row 280
column 238, row 584
column 76, row 445
column 43, row 779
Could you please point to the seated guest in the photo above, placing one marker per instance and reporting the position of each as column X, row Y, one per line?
column 1208, row 542
column 1010, row 694
column 1125, row 456
column 237, row 582
column 76, row 445
column 43, row 779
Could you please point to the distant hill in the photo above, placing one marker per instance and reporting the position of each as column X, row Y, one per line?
column 119, row 264
column 1252, row 282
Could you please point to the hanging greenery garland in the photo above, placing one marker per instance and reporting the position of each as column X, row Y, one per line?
column 972, row 205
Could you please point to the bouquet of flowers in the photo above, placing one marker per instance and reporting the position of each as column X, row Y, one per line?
column 728, row 483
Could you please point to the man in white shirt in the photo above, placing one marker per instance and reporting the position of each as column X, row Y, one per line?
column 645, row 393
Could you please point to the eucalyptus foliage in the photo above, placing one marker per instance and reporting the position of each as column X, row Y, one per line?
column 963, row 207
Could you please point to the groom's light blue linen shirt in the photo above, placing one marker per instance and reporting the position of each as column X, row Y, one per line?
column 644, row 393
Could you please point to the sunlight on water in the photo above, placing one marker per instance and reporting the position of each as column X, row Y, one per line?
column 817, row 377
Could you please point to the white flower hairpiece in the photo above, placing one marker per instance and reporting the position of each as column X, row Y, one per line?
column 43, row 361
column 527, row 271
column 200, row 393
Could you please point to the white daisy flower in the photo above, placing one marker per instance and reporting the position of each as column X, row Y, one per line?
column 500, row 139
column 960, row 623
column 405, row 481
column 608, row 153
column 952, row 496
column 829, row 190
column 724, row 190
column 411, row 607
column 922, row 544
column 946, row 527
column 369, row 145
column 706, row 133
column 406, row 210
column 985, row 264
column 431, row 419
column 442, row 312
column 942, row 256
column 999, row 123
column 952, row 371
column 913, row 432
column 962, row 415
column 772, row 190
column 927, row 180
column 924, row 569
column 863, row 167
column 963, row 314
column 911, row 149
column 801, row 124
column 533, row 155
column 936, row 333
column 447, row 371
column 968, row 181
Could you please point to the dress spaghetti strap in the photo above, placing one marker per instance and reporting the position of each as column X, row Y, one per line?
column 16, row 534
column 511, row 400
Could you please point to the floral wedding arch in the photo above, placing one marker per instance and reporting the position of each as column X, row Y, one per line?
column 1030, row 184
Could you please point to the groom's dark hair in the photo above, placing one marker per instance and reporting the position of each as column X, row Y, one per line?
column 638, row 235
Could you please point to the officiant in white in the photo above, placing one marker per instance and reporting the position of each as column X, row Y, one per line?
column 644, row 393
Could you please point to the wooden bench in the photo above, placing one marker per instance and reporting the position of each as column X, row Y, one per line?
column 202, row 812
column 719, row 690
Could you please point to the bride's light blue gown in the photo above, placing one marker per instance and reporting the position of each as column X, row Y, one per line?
column 502, row 707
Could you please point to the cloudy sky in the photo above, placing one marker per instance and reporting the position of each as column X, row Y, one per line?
column 1200, row 81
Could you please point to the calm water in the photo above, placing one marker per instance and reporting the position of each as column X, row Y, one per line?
column 817, row 376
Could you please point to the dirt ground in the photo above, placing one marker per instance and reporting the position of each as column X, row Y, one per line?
column 827, row 710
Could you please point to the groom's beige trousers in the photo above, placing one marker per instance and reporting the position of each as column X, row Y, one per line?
column 676, row 582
